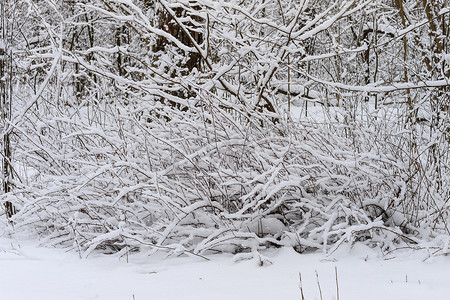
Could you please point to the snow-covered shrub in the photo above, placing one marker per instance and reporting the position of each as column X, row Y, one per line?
column 126, row 146
column 219, row 182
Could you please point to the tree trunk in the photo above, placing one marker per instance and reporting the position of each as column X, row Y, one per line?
column 5, row 105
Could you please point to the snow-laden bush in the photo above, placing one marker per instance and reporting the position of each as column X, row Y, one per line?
column 221, row 182
column 167, row 125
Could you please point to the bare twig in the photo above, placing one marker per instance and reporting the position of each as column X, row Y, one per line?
column 337, row 282
column 301, row 285
column 318, row 285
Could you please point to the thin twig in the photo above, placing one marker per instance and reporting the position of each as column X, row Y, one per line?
column 301, row 285
column 318, row 285
column 337, row 283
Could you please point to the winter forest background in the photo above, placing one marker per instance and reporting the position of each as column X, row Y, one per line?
column 209, row 126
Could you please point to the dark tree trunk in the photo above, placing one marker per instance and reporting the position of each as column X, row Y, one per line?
column 5, row 106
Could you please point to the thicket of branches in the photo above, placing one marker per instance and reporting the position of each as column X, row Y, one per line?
column 173, row 125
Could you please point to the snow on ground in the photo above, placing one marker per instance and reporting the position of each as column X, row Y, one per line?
column 29, row 272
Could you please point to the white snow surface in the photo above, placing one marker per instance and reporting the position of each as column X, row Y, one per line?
column 31, row 272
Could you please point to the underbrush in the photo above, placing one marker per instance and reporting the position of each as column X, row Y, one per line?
column 213, row 178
